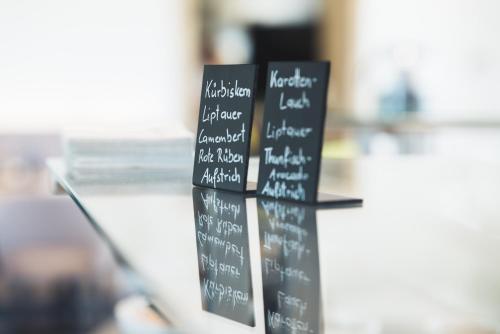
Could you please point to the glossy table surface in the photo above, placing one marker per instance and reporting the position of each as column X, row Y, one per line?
column 421, row 255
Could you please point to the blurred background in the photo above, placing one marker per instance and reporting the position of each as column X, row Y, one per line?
column 408, row 77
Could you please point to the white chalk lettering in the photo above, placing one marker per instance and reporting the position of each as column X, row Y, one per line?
column 274, row 132
column 223, row 293
column 286, row 158
column 294, row 81
column 225, row 91
column 294, row 103
column 227, row 156
column 221, row 207
column 216, row 115
column 285, row 299
column 289, row 324
column 282, row 190
column 293, row 273
column 227, row 138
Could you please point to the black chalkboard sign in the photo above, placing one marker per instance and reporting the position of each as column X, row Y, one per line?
column 223, row 254
column 292, row 132
column 290, row 267
column 224, row 127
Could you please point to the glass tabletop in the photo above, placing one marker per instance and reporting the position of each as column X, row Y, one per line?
column 420, row 256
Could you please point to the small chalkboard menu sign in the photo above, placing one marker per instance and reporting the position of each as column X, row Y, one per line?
column 223, row 254
column 224, row 127
column 290, row 267
column 292, row 133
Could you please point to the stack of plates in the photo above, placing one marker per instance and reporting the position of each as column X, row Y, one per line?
column 129, row 154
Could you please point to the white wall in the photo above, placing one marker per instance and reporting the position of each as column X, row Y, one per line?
column 87, row 62
column 451, row 47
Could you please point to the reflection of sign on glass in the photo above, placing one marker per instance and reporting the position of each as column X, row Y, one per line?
column 223, row 254
column 290, row 267
column 292, row 133
column 224, row 127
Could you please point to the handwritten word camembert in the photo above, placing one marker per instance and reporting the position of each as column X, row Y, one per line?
column 227, row 138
